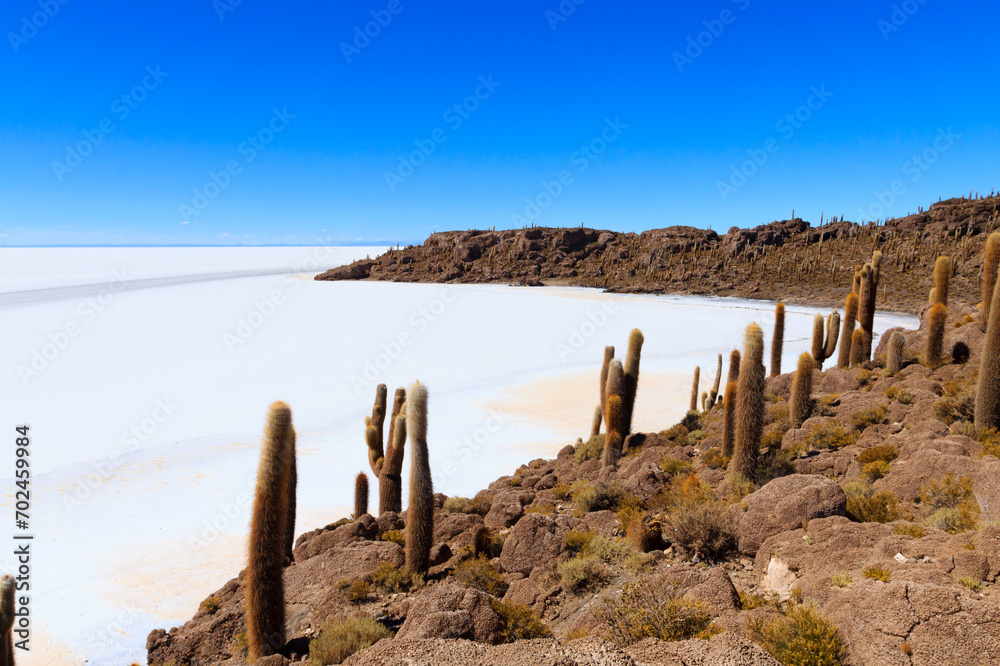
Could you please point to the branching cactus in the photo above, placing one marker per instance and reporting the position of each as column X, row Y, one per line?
column 390, row 478
column 420, row 510
column 847, row 330
column 265, row 596
column 609, row 356
column 595, row 424
column 864, row 301
column 779, row 338
column 749, row 417
column 374, row 431
column 293, row 485
column 800, row 403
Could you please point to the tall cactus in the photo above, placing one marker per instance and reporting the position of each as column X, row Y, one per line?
column 390, row 477
column 694, row 389
column 374, row 430
column 7, row 610
column 293, row 485
column 864, row 301
column 728, row 418
column 631, row 378
column 847, row 330
column 800, row 401
column 987, row 414
column 615, row 434
column 823, row 347
column 595, row 423
column 779, row 338
column 713, row 396
column 360, row 495
column 734, row 367
column 937, row 317
column 942, row 275
column 609, row 355
column 894, row 356
column 990, row 263
column 420, row 510
column 749, row 407
column 265, row 602
column 857, row 347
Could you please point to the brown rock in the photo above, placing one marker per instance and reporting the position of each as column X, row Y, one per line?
column 784, row 504
column 449, row 610
column 531, row 542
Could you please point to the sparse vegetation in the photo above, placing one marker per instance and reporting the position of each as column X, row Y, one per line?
column 706, row 530
column 336, row 641
column 801, row 637
column 582, row 573
column 480, row 574
column 877, row 573
column 829, row 435
column 874, row 471
column 713, row 458
column 841, row 579
column 518, row 622
column 970, row 583
column 673, row 467
column 210, row 605
column 653, row 608
column 900, row 395
column 866, row 506
column 578, row 540
column 357, row 592
column 480, row 505
column 389, row 578
column 868, row 417
column 951, row 503
column 590, row 449
column 909, row 529
column 877, row 453
column 397, row 537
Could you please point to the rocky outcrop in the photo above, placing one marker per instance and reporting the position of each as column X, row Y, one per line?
column 786, row 504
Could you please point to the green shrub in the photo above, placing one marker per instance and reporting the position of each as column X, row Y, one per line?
column 829, row 435
column 581, row 573
column 877, row 573
column 801, row 637
column 676, row 435
column 884, row 453
column 336, row 641
column 673, row 467
column 874, row 471
column 397, row 537
column 866, row 506
column 970, row 583
column 389, row 577
column 653, row 608
column 909, row 529
column 590, row 449
column 480, row 574
column 841, row 579
column 518, row 622
column 900, row 395
column 868, row 417
column 560, row 491
column 480, row 504
column 706, row 529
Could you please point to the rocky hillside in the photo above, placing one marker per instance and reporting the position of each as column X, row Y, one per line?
column 789, row 260
column 869, row 538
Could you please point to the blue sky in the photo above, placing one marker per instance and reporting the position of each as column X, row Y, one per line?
column 256, row 123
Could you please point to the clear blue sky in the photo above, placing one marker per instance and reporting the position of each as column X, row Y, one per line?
column 198, row 80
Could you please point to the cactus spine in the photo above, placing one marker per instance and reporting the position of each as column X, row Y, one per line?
column 749, row 416
column 293, row 484
column 631, row 379
column 614, row 437
column 800, row 401
column 714, row 395
column 694, row 389
column 390, row 480
column 7, row 610
column 360, row 495
column 728, row 418
column 850, row 319
column 420, row 510
column 990, row 263
column 894, row 359
column 265, row 602
column 779, row 338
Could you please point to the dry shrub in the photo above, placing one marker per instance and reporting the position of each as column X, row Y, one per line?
column 590, row 449
column 909, row 529
column 801, row 637
column 487, row 542
column 653, row 608
column 714, row 459
column 337, row 641
column 868, row 417
column 866, row 506
column 389, row 577
column 884, row 453
column 899, row 394
column 989, row 438
column 958, row 402
column 357, row 592
column 774, row 464
column 518, row 622
column 544, row 509
column 673, row 467
column 210, row 605
column 706, row 530
column 480, row 574
column 676, row 435
column 582, row 573
column 875, row 470
column 560, row 491
column 877, row 573
column 952, row 504
column 578, row 540
column 830, row 435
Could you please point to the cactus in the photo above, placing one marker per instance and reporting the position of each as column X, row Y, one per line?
column 823, row 348
column 390, row 475
column 734, row 367
column 864, row 301
column 779, row 338
column 694, row 389
column 749, row 415
column 704, row 401
column 265, row 603
column 728, row 418
column 7, row 610
column 609, row 355
column 595, row 424
column 631, row 378
column 987, row 414
column 847, row 330
column 373, row 431
column 894, row 358
column 990, row 263
column 713, row 396
column 832, row 329
column 420, row 510
column 360, row 495
column 942, row 274
column 937, row 317
column 800, row 401
column 613, row 439
column 293, row 483
column 857, row 347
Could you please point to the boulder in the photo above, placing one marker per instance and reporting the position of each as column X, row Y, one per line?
column 785, row 504
column 507, row 509
column 531, row 542
column 450, row 610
